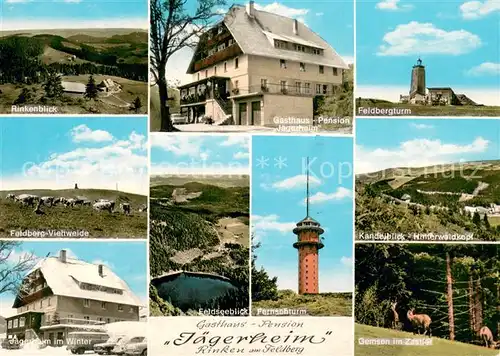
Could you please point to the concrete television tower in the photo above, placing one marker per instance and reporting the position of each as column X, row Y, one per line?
column 308, row 244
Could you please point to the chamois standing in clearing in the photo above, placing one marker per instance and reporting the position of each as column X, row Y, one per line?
column 419, row 322
column 395, row 316
column 486, row 336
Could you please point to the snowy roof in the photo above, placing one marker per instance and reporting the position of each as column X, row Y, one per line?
column 252, row 35
column 74, row 87
column 63, row 279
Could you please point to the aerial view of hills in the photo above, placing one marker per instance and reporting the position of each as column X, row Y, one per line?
column 74, row 71
column 428, row 179
column 461, row 198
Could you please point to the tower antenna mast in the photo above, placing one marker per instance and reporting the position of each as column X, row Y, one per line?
column 307, row 189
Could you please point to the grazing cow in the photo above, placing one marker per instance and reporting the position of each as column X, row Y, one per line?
column 125, row 207
column 37, row 210
column 27, row 199
column 11, row 196
column 104, row 205
column 487, row 337
column 78, row 201
column 420, row 322
column 49, row 201
column 69, row 202
column 143, row 208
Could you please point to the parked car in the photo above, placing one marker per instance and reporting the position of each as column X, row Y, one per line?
column 137, row 346
column 106, row 347
column 81, row 341
column 179, row 119
column 11, row 344
column 119, row 348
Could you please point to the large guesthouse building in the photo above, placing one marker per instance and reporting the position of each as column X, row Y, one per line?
column 61, row 295
column 255, row 66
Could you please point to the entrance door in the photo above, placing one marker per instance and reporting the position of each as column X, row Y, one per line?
column 255, row 112
column 243, row 114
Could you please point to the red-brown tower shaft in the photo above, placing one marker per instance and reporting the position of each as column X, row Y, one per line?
column 308, row 244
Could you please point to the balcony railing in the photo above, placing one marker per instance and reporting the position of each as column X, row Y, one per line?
column 284, row 90
column 71, row 321
column 228, row 52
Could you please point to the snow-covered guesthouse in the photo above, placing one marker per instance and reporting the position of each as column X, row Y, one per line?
column 61, row 295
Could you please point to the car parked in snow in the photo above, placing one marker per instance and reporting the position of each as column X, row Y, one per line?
column 107, row 347
column 137, row 346
column 81, row 341
column 11, row 344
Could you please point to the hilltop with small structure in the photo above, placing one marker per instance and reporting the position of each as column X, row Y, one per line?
column 56, row 66
column 457, row 198
column 427, row 101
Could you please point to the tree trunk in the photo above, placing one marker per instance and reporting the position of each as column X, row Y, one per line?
column 449, row 282
column 472, row 311
column 479, row 305
column 498, row 310
column 166, row 122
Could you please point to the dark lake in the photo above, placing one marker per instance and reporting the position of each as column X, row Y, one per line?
column 190, row 290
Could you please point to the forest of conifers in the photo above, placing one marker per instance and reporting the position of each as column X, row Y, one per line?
column 458, row 286
column 20, row 62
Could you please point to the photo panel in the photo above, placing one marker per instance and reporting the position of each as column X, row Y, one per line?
column 302, row 226
column 427, row 180
column 255, row 67
column 73, row 177
column 73, row 297
column 426, row 298
column 199, row 225
column 422, row 58
column 74, row 57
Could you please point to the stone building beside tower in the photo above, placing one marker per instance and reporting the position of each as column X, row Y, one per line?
column 421, row 95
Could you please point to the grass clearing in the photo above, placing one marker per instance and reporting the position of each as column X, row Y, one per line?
column 326, row 304
column 439, row 347
column 425, row 110
column 99, row 224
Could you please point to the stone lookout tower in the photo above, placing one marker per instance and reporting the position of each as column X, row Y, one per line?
column 417, row 87
column 308, row 244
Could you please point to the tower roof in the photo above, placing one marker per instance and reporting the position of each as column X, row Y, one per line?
column 419, row 63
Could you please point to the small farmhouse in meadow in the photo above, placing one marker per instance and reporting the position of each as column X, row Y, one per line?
column 108, row 85
column 73, row 88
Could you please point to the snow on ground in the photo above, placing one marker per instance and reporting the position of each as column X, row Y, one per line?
column 34, row 350
column 127, row 328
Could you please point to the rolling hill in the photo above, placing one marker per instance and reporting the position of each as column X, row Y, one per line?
column 97, row 46
column 46, row 68
column 445, row 184
column 430, row 199
column 439, row 347
column 17, row 217
column 428, row 110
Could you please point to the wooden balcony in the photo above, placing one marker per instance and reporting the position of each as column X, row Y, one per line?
column 202, row 90
column 227, row 53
